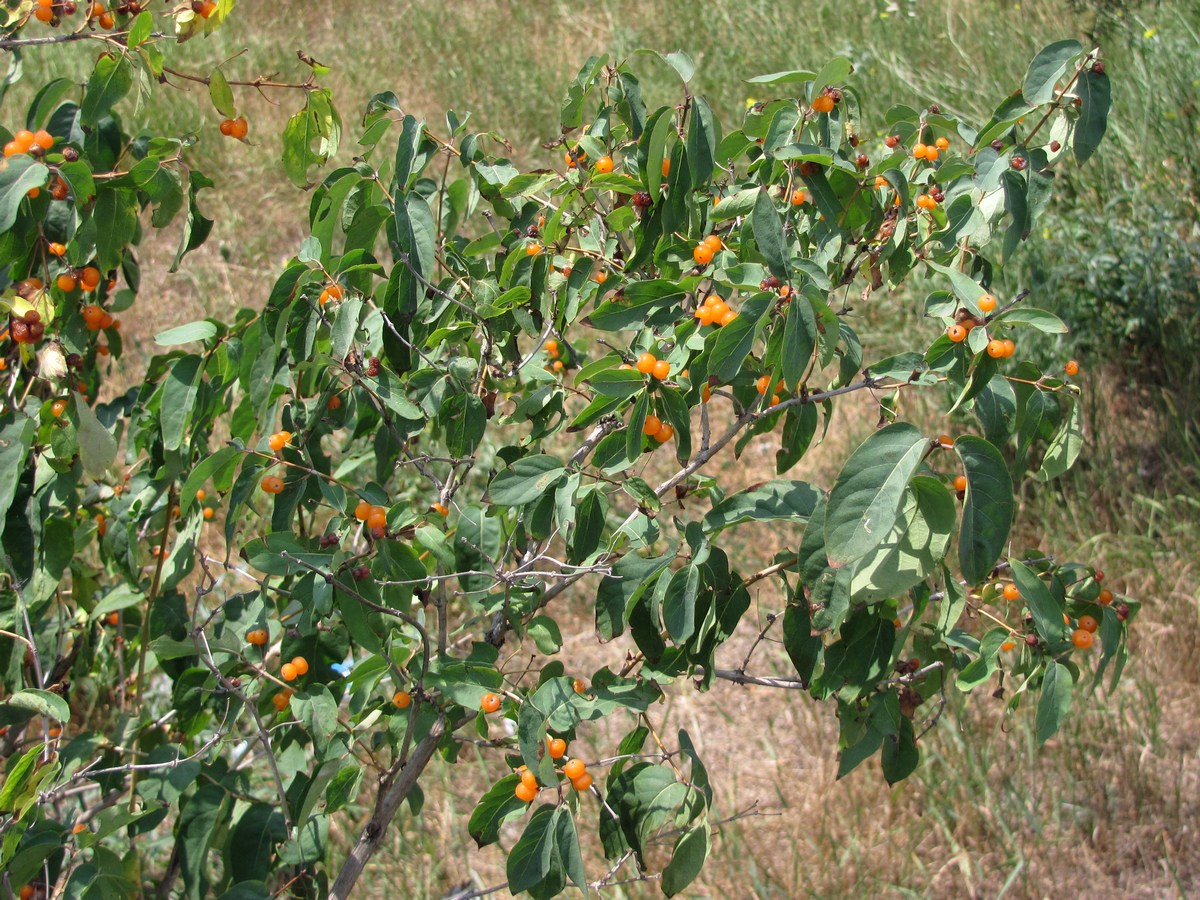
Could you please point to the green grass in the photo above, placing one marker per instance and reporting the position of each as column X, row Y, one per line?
column 1110, row 807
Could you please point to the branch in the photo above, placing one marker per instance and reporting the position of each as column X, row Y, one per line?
column 385, row 810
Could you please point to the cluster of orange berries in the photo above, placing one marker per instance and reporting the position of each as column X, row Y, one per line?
column 574, row 157
column 96, row 318
column 87, row 278
column 375, row 518
column 258, row 637
column 33, row 142
column 575, row 770
column 656, row 428
column 705, row 251
column 926, row 201
column 207, row 511
column 235, row 128
column 552, row 350
column 715, row 311
column 764, row 384
column 930, row 152
column 279, row 440
column 649, row 364
column 332, row 291
column 290, row 671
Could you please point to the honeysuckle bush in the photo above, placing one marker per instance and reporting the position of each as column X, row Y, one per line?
column 433, row 432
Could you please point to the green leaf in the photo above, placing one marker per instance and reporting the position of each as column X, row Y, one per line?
column 989, row 508
column 498, row 806
column 900, row 753
column 43, row 703
column 1065, row 447
column 1047, row 67
column 1040, row 319
column 343, row 788
column 526, row 480
column 861, row 656
column 687, row 859
column 17, row 778
column 546, row 634
column 870, row 490
column 109, row 82
column 18, row 175
column 529, row 861
column 97, row 446
column 1046, row 610
column 464, row 419
column 660, row 126
column 15, row 440
column 735, row 340
column 317, row 123
column 776, row 499
column 221, row 94
column 179, row 399
column 799, row 341
column 1096, row 93
column 679, row 603
column 196, row 226
column 619, row 591
column 913, row 549
column 837, row 69
column 681, row 63
column 115, row 215
column 566, row 847
column 702, row 139
column 793, row 76
column 1055, row 700
column 252, row 842
column 140, row 29
column 184, row 334
column 768, row 234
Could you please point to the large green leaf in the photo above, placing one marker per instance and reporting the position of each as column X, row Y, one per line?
column 776, row 499
column 530, row 860
column 18, row 175
column 498, row 806
column 913, row 549
column 735, row 340
column 97, row 446
column 179, row 398
column 1055, row 700
column 528, row 479
column 687, row 859
column 988, row 512
column 870, row 490
column 110, row 81
column 702, row 139
column 1065, row 446
column 317, row 123
column 1041, row 78
column 1095, row 93
column 16, row 437
column 1047, row 612
column 768, row 234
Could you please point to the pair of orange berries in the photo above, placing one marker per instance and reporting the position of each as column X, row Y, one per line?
column 290, row 671
column 96, row 319
column 235, row 128
column 705, row 251
column 279, row 440
column 715, row 311
column 924, row 201
column 998, row 349
column 87, row 278
column 258, row 637
column 374, row 517
column 333, row 291
column 649, row 364
column 656, row 428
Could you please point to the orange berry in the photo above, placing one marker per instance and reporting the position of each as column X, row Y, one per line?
column 661, row 370
column 300, row 664
column 58, row 407
column 101, row 524
column 281, row 700
column 712, row 242
column 113, row 618
column 556, row 747
column 1072, row 368
column 604, row 165
column 362, row 510
column 1010, row 347
column 702, row 254
column 24, row 139
column 574, row 768
column 996, row 349
column 490, row 702
column 919, row 151
column 226, row 127
column 440, row 508
column 646, row 362
column 600, row 277
column 279, row 440
column 44, row 139
column 527, row 777
column 726, row 317
column 665, row 433
column 763, row 384
column 209, row 512
column 579, row 686
column 42, row 14
column 207, row 8
column 65, row 282
column 533, row 249
column 666, row 168
column 79, row 828
column 26, row 892
column 56, row 249
column 1088, row 623
column 931, row 154
column 799, row 198
column 551, row 347
column 334, row 403
column 987, row 303
column 945, row 441
column 718, row 309
column 1106, row 597
column 705, row 394
column 823, row 104
column 582, row 783
column 333, row 292
column 240, row 128
column 1007, row 646
column 1082, row 639
column 257, row 636
column 525, row 793
column 704, row 315
column 956, row 333
column 288, row 672
column 401, row 699
column 960, row 483
column 942, row 143
column 272, row 484
column 652, row 424
column 1011, row 592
